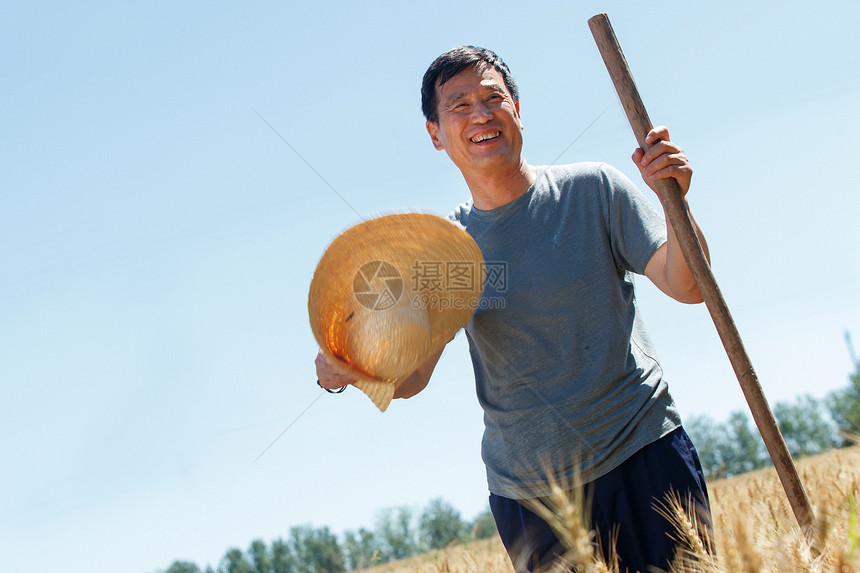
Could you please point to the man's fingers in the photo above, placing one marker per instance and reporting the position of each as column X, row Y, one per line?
column 656, row 134
column 678, row 172
column 328, row 376
column 663, row 161
column 662, row 147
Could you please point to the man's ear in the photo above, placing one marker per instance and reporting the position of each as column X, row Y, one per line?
column 433, row 130
column 519, row 118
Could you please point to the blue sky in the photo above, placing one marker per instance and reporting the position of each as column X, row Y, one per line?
column 157, row 240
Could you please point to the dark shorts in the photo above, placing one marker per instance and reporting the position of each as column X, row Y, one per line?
column 622, row 505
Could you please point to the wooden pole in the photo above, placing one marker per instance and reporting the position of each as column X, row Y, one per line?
column 676, row 212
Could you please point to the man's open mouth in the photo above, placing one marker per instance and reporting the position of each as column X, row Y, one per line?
column 485, row 136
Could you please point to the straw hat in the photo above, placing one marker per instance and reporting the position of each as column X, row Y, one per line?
column 390, row 292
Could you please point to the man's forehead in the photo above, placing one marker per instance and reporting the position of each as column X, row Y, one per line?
column 483, row 74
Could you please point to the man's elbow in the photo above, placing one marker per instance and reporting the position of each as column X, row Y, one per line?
column 419, row 379
column 412, row 385
column 689, row 296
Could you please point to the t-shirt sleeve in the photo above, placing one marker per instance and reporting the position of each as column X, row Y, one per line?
column 636, row 228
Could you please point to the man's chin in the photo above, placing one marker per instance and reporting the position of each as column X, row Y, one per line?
column 492, row 160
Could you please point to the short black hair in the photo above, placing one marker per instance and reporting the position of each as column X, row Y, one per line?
column 452, row 63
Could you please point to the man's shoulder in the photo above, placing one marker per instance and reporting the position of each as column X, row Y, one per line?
column 583, row 170
column 460, row 212
column 570, row 182
column 589, row 178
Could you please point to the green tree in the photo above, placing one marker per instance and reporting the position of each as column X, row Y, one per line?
column 710, row 441
column 316, row 550
column 844, row 405
column 362, row 549
column 301, row 548
column 328, row 552
column 183, row 567
column 745, row 449
column 440, row 525
column 396, row 534
column 261, row 560
column 283, row 560
column 727, row 449
column 484, row 526
column 804, row 427
column 234, row 562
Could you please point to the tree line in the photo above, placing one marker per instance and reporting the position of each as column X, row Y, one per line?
column 398, row 533
column 809, row 426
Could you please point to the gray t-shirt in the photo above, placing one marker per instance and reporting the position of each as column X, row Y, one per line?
column 565, row 372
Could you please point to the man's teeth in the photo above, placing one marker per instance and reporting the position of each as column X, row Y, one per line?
column 486, row 136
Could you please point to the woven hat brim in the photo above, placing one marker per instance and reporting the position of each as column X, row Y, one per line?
column 380, row 393
column 393, row 264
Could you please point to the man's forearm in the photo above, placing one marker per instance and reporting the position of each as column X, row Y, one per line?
column 418, row 380
column 677, row 273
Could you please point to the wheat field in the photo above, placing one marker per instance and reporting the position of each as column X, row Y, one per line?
column 754, row 529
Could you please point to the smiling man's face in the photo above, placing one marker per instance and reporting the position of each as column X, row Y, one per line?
column 479, row 121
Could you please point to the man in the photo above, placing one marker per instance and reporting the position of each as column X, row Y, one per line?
column 564, row 371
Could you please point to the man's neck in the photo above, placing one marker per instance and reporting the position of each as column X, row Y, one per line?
column 493, row 188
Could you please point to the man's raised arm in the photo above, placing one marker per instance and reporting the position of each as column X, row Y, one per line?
column 667, row 268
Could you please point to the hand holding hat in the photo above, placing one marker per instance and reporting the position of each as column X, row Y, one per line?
column 330, row 378
column 390, row 292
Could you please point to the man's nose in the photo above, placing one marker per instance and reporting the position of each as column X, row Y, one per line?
column 481, row 113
